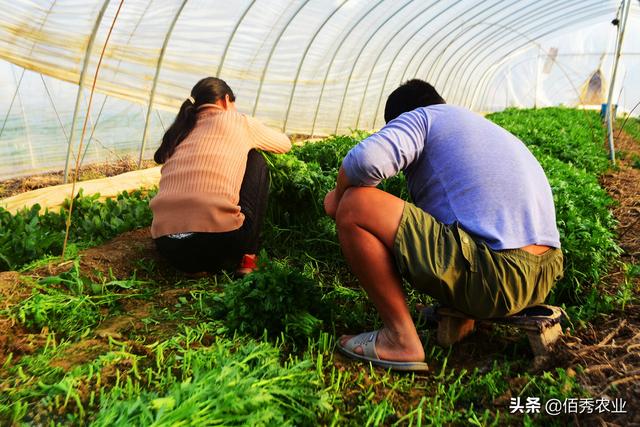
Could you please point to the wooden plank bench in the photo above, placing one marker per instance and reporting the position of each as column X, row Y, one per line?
column 541, row 324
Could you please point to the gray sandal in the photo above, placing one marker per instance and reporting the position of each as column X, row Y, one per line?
column 367, row 341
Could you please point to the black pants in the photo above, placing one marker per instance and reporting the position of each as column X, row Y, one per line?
column 216, row 251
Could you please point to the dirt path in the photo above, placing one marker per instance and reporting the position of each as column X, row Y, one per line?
column 609, row 348
column 624, row 186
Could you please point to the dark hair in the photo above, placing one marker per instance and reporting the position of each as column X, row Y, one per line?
column 410, row 95
column 206, row 91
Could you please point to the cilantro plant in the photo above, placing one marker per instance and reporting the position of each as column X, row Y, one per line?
column 572, row 136
column 276, row 299
column 31, row 234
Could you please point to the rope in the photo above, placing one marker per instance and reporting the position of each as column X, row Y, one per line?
column 625, row 120
column 53, row 105
column 84, row 130
column 15, row 94
column 161, row 122
column 93, row 138
column 24, row 69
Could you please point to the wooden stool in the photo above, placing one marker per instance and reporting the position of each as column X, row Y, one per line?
column 540, row 322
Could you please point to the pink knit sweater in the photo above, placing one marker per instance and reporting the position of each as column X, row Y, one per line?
column 200, row 183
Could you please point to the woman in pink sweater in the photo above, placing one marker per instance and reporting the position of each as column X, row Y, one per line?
column 212, row 199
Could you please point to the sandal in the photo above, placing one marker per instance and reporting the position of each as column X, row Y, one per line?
column 367, row 341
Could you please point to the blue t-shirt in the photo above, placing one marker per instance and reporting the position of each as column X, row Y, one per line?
column 460, row 167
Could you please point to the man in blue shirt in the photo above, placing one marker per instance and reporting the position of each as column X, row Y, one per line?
column 480, row 235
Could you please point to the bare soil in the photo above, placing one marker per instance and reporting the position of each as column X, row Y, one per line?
column 79, row 353
column 623, row 185
column 609, row 349
column 120, row 257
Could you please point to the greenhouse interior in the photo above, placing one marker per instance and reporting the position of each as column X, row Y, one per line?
column 99, row 327
column 307, row 67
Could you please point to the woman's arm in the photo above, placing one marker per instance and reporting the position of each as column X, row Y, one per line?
column 266, row 138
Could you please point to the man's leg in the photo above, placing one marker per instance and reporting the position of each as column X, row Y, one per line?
column 367, row 221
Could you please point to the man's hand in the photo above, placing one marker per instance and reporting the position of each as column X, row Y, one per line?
column 331, row 203
column 332, row 199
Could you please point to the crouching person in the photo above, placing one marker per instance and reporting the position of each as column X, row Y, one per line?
column 480, row 235
column 212, row 197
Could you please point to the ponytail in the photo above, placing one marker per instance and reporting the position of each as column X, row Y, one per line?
column 206, row 91
column 177, row 132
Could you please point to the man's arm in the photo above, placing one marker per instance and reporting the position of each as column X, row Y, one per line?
column 382, row 155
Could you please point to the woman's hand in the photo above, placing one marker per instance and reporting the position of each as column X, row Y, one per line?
column 331, row 203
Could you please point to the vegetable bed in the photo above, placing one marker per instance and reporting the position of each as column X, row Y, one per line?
column 91, row 347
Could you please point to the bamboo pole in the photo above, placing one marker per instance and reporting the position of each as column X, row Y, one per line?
column 152, row 97
column 83, row 77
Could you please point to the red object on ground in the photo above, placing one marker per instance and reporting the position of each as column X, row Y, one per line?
column 248, row 264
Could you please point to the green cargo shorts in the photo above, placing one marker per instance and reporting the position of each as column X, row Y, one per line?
column 462, row 273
